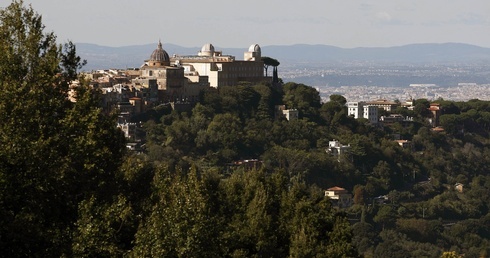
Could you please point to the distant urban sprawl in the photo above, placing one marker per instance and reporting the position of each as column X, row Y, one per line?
column 368, row 81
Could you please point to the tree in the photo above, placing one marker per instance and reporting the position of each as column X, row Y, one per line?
column 340, row 242
column 333, row 110
column 383, row 172
column 293, row 161
column 182, row 221
column 223, row 136
column 339, row 99
column 268, row 61
column 99, row 227
column 268, row 99
column 242, row 100
column 57, row 153
column 359, row 194
column 385, row 216
column 421, row 107
column 304, row 98
column 452, row 254
column 364, row 236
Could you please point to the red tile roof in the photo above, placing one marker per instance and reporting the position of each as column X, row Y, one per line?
column 335, row 188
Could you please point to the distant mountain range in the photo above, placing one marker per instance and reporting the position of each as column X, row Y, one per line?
column 103, row 57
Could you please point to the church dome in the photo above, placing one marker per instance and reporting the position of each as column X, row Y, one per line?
column 254, row 48
column 159, row 54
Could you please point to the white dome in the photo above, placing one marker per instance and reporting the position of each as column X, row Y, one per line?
column 254, row 48
column 208, row 49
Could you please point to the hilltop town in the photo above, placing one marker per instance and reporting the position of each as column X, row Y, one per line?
column 207, row 155
column 176, row 79
column 147, row 85
column 179, row 80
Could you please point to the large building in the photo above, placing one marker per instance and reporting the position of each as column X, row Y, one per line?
column 169, row 80
column 354, row 109
column 222, row 70
column 178, row 80
column 363, row 110
column 384, row 104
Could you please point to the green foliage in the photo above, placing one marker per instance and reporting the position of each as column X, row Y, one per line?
column 304, row 98
column 421, row 107
column 100, row 226
column 293, row 161
column 364, row 237
column 398, row 245
column 340, row 240
column 385, row 216
column 248, row 214
column 257, row 137
column 334, row 112
column 68, row 188
column 450, row 255
column 182, row 222
column 269, row 61
column 427, row 231
column 222, row 137
column 57, row 154
column 241, row 101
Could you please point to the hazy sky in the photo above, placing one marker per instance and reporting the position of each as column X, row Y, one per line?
column 237, row 23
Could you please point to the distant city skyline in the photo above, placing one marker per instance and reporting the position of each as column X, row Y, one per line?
column 191, row 23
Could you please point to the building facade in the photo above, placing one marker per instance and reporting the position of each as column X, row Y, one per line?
column 169, row 80
column 354, row 109
column 339, row 196
column 337, row 149
column 222, row 70
column 289, row 114
column 363, row 110
column 384, row 104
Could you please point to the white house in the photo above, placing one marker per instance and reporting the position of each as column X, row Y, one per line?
column 362, row 110
column 337, row 149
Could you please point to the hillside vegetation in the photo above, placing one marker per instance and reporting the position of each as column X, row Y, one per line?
column 422, row 213
column 69, row 187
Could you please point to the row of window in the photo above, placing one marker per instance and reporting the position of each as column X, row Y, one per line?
column 245, row 68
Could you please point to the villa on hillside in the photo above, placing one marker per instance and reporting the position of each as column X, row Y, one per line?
column 339, row 196
column 362, row 109
column 406, row 144
column 435, row 109
column 337, row 149
column 289, row 114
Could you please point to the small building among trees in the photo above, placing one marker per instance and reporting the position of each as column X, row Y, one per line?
column 339, row 196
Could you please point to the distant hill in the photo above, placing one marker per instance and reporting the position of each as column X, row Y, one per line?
column 100, row 57
column 419, row 53
column 103, row 57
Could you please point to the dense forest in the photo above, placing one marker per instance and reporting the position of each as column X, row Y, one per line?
column 70, row 188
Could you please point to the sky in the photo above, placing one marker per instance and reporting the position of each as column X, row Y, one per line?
column 237, row 23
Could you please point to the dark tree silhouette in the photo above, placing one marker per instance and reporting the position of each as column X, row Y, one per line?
column 268, row 61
